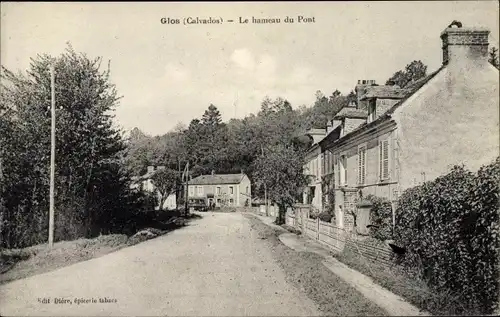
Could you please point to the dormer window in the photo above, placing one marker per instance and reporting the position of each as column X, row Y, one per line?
column 372, row 110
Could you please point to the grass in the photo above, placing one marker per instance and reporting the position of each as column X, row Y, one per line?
column 21, row 263
column 306, row 272
column 413, row 289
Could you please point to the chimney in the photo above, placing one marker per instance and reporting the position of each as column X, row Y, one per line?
column 360, row 90
column 329, row 126
column 461, row 44
column 151, row 169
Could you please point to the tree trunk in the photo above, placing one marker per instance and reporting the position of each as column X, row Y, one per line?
column 280, row 219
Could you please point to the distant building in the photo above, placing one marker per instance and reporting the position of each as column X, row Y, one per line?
column 222, row 189
column 144, row 183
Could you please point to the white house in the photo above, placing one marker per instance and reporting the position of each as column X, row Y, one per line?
column 144, row 182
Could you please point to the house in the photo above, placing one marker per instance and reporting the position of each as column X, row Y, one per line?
column 397, row 138
column 222, row 189
column 145, row 183
column 312, row 194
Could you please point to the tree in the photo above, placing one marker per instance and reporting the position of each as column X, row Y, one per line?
column 90, row 184
column 211, row 117
column 136, row 134
column 324, row 109
column 166, row 181
column 412, row 72
column 493, row 57
column 280, row 170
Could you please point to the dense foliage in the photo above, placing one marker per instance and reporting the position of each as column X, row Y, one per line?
column 493, row 57
column 280, row 172
column 166, row 181
column 230, row 147
column 380, row 218
column 412, row 72
column 91, row 189
column 450, row 229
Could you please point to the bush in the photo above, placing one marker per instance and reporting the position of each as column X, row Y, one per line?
column 450, row 229
column 380, row 217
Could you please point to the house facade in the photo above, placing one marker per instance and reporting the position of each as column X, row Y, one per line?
column 145, row 183
column 397, row 138
column 233, row 190
column 312, row 194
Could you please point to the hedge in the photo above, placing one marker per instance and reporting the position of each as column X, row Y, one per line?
column 450, row 229
column 380, row 217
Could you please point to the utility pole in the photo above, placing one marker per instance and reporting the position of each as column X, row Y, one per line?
column 52, row 154
column 186, row 205
column 265, row 188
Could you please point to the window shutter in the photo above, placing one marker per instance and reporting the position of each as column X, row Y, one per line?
column 384, row 159
column 361, row 165
column 364, row 164
column 344, row 162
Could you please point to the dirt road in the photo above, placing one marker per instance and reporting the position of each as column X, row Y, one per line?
column 216, row 266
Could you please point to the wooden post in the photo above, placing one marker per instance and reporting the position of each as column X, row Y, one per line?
column 317, row 224
column 186, row 205
column 52, row 155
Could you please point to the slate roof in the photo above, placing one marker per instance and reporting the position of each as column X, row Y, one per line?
column 349, row 112
column 411, row 89
column 385, row 92
column 217, row 179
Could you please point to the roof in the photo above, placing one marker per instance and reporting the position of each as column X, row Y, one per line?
column 385, row 92
column 411, row 89
column 144, row 177
column 349, row 112
column 217, row 179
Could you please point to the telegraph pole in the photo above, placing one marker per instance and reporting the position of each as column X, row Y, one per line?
column 186, row 205
column 52, row 154
column 265, row 187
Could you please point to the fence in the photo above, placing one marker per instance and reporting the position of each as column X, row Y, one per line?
column 272, row 210
column 337, row 238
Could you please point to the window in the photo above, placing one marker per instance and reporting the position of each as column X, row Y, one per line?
column 246, row 190
column 384, row 159
column 218, row 201
column 372, row 111
column 343, row 170
column 337, row 170
column 200, row 190
column 231, row 201
column 231, row 190
column 361, row 164
column 217, row 190
column 191, row 191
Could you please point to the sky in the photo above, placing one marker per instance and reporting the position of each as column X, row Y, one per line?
column 170, row 73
